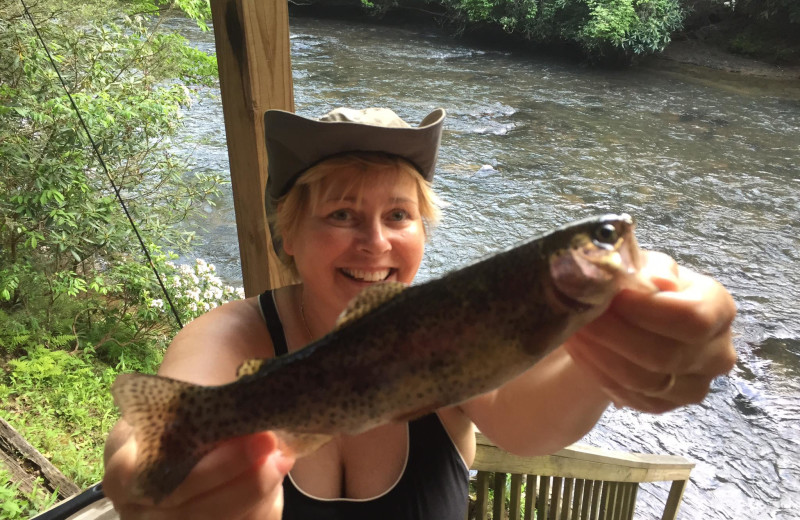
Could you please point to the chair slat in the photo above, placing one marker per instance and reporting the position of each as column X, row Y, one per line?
column 555, row 498
column 598, row 491
column 499, row 506
column 674, row 499
column 530, row 496
column 586, row 505
column 543, row 500
column 515, row 497
column 577, row 498
column 611, row 501
column 634, row 495
column 566, row 498
column 482, row 495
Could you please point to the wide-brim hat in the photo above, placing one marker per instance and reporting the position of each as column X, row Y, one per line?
column 296, row 143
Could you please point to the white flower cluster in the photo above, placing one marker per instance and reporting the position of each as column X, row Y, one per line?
column 196, row 289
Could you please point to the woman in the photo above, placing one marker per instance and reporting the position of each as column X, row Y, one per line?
column 350, row 201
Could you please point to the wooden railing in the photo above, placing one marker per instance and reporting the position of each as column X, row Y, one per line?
column 578, row 482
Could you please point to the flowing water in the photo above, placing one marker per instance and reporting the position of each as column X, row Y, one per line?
column 706, row 162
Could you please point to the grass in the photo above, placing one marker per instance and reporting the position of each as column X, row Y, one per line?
column 61, row 403
column 14, row 504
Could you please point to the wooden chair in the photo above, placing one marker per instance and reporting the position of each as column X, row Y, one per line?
column 576, row 483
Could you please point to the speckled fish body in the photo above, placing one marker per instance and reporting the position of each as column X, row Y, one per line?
column 398, row 353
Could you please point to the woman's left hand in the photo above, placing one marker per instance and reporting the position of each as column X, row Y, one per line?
column 657, row 351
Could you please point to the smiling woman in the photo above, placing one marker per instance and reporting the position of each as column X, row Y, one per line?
column 362, row 227
column 321, row 187
column 351, row 195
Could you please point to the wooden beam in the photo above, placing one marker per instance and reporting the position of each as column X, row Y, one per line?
column 585, row 462
column 255, row 74
column 26, row 464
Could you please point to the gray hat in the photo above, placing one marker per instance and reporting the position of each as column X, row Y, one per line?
column 295, row 143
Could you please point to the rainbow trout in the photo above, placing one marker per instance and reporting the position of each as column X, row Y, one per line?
column 396, row 354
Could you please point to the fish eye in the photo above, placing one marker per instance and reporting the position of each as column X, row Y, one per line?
column 606, row 235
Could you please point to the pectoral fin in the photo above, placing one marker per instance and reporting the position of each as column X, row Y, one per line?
column 367, row 300
column 249, row 367
column 300, row 444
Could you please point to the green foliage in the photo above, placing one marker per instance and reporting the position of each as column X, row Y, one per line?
column 636, row 27
column 69, row 396
column 765, row 45
column 764, row 29
column 16, row 505
column 603, row 29
column 779, row 12
column 78, row 304
column 197, row 10
column 69, row 261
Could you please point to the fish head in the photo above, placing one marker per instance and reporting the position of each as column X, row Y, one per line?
column 597, row 258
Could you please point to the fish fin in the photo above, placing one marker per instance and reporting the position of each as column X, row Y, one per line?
column 300, row 444
column 250, row 367
column 367, row 300
column 167, row 444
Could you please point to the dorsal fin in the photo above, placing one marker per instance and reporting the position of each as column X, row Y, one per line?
column 250, row 367
column 368, row 299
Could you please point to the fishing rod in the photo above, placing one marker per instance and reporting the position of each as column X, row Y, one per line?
column 105, row 169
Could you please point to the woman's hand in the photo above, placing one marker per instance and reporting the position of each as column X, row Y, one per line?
column 240, row 479
column 657, row 351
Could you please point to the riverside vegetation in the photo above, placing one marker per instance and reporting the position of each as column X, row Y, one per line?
column 614, row 31
column 78, row 305
column 78, row 302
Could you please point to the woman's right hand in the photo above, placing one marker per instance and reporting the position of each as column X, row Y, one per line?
column 240, row 479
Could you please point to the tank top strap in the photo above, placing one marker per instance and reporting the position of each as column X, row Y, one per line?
column 269, row 310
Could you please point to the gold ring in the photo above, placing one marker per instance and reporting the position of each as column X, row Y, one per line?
column 666, row 387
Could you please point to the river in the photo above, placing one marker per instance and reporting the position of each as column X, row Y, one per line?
column 706, row 162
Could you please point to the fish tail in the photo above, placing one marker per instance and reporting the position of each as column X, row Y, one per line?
column 160, row 410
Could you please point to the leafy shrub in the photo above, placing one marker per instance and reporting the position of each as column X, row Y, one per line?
column 16, row 505
column 779, row 12
column 69, row 395
column 61, row 401
column 77, row 303
column 69, row 260
column 603, row 29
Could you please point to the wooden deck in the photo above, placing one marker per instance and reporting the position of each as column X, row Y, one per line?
column 578, row 482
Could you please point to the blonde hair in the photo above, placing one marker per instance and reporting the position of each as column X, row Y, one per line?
column 311, row 188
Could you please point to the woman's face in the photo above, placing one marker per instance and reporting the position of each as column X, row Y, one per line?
column 354, row 238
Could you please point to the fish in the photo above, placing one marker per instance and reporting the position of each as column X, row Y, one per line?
column 397, row 353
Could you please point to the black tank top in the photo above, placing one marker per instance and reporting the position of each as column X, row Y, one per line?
column 434, row 484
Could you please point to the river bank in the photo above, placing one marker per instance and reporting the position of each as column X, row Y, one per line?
column 699, row 47
column 710, row 56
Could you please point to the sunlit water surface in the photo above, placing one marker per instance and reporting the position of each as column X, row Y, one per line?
column 707, row 163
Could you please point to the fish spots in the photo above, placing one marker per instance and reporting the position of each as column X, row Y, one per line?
column 424, row 347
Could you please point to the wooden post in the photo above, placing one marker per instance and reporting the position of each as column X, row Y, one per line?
column 255, row 74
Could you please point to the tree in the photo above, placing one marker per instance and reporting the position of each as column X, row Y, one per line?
column 69, row 260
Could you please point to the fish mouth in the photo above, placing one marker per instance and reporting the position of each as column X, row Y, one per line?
column 590, row 270
column 368, row 276
column 569, row 302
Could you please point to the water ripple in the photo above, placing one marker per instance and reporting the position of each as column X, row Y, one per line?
column 710, row 174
